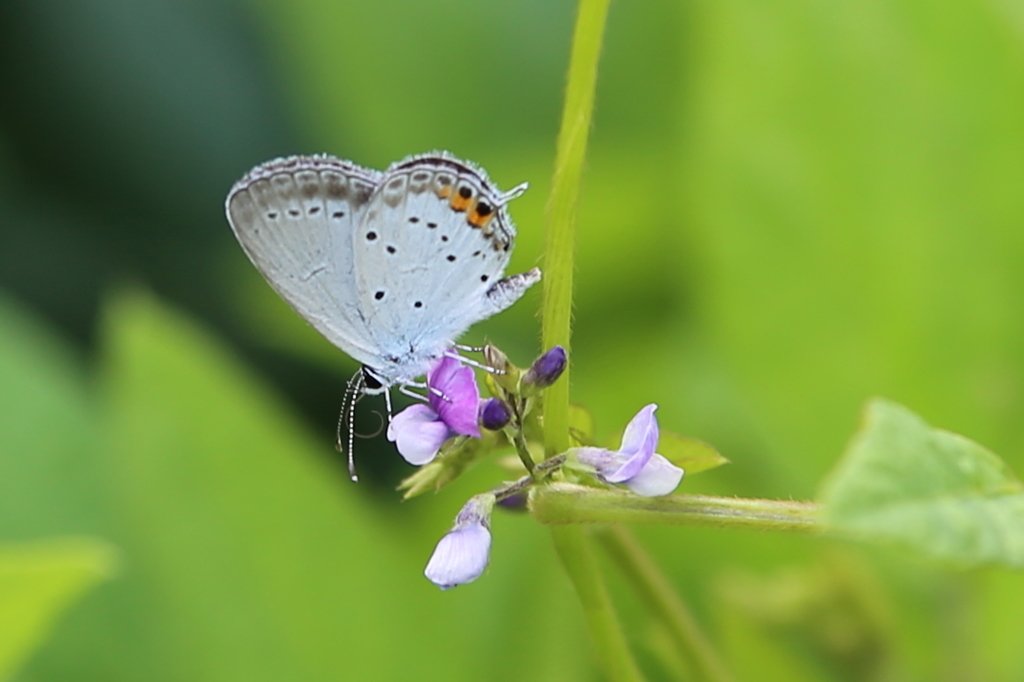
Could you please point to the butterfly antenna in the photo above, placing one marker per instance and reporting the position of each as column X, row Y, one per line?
column 357, row 390
column 345, row 419
column 341, row 416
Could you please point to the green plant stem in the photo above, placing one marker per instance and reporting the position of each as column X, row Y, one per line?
column 523, row 484
column 565, row 503
column 576, row 552
column 560, row 219
column 662, row 602
column 519, row 441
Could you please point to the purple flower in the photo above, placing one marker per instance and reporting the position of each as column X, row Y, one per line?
column 461, row 555
column 454, row 400
column 635, row 464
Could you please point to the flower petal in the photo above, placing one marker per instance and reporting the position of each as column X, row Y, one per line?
column 418, row 433
column 641, row 433
column 638, row 444
column 459, row 406
column 658, row 477
column 460, row 557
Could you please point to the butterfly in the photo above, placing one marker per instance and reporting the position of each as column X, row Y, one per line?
column 391, row 267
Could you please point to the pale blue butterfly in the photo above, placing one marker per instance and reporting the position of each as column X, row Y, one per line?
column 390, row 267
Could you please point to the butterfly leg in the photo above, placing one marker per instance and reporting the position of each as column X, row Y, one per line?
column 472, row 363
column 387, row 403
column 404, row 389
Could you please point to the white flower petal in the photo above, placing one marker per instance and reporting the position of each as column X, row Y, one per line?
column 658, row 477
column 418, row 434
column 460, row 557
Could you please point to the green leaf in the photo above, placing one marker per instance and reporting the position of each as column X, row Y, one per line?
column 693, row 455
column 903, row 481
column 37, row 582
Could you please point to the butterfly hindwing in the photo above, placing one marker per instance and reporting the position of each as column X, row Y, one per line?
column 294, row 218
column 433, row 241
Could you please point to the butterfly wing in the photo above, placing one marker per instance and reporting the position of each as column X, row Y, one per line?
column 295, row 219
column 429, row 255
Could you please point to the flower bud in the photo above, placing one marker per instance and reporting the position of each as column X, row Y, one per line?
column 545, row 370
column 506, row 374
column 496, row 359
column 515, row 502
column 495, row 414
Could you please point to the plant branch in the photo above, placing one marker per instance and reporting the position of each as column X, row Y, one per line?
column 566, row 503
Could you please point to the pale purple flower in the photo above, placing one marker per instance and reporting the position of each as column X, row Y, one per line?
column 461, row 555
column 453, row 403
column 635, row 464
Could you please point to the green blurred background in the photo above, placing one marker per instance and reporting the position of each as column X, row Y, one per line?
column 789, row 206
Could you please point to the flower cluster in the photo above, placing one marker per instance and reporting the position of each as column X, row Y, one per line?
column 454, row 409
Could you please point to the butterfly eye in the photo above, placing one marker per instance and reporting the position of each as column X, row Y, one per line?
column 371, row 381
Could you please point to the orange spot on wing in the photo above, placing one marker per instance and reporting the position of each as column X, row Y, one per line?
column 445, row 192
column 460, row 203
column 477, row 220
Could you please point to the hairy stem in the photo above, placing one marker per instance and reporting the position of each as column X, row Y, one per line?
column 565, row 503
column 560, row 219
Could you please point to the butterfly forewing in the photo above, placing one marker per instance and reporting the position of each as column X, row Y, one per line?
column 434, row 239
column 295, row 219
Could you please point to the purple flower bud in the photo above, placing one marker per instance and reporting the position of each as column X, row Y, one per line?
column 546, row 369
column 494, row 414
column 515, row 502
column 461, row 555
